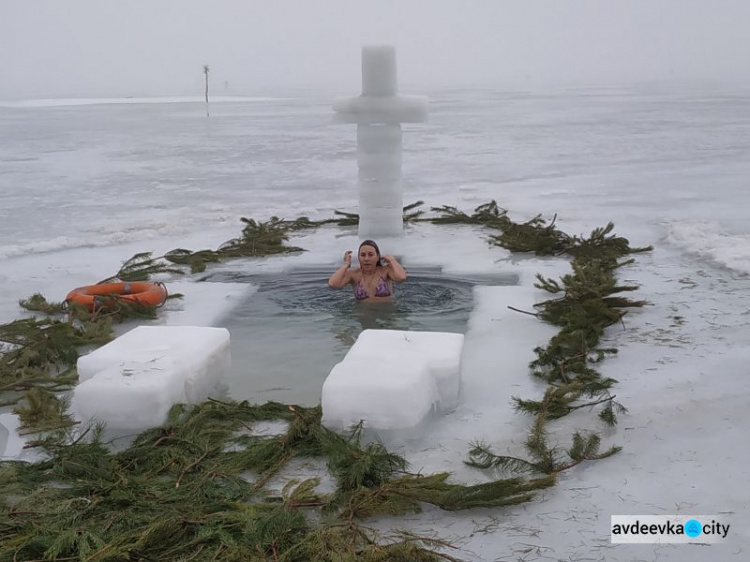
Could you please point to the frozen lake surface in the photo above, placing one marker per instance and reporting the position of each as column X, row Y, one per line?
column 86, row 185
column 104, row 173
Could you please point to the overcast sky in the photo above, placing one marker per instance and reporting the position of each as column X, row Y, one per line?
column 158, row 47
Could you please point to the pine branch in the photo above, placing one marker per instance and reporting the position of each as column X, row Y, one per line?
column 141, row 267
column 412, row 206
column 586, row 448
column 355, row 466
column 482, row 456
column 523, row 311
column 37, row 303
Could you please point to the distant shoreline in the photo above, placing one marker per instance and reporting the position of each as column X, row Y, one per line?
column 64, row 102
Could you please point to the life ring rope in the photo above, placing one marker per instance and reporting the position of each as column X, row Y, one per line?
column 166, row 294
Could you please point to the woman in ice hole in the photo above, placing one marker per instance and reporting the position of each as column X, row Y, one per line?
column 373, row 279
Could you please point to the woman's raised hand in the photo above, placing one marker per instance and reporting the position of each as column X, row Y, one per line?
column 389, row 259
column 348, row 258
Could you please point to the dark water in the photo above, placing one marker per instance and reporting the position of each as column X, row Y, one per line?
column 288, row 335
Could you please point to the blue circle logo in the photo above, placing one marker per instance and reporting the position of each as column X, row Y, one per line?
column 693, row 528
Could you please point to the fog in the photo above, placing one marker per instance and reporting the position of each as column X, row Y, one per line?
column 102, row 47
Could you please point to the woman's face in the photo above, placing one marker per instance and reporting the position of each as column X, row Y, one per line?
column 368, row 257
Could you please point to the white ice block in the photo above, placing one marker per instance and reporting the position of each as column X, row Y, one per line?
column 379, row 138
column 391, row 394
column 132, row 395
column 441, row 351
column 11, row 443
column 376, row 199
column 381, row 206
column 4, row 438
column 379, row 165
column 379, row 70
column 133, row 381
column 394, row 379
column 381, row 110
column 383, row 212
column 380, row 225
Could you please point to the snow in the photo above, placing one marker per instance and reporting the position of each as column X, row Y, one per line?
column 706, row 240
column 393, row 380
column 669, row 166
column 133, row 381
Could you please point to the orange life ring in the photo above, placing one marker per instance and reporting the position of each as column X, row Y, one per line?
column 95, row 296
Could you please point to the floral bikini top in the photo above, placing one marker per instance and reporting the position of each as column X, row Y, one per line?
column 381, row 289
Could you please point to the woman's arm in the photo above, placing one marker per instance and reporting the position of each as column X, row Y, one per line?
column 342, row 276
column 395, row 269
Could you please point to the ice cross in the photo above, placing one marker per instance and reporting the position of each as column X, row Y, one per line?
column 378, row 113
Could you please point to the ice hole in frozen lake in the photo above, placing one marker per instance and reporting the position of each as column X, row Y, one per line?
column 288, row 335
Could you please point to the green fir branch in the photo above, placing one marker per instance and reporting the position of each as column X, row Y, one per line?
column 141, row 267
column 38, row 303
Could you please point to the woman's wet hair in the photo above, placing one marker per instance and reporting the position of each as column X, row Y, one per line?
column 374, row 245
